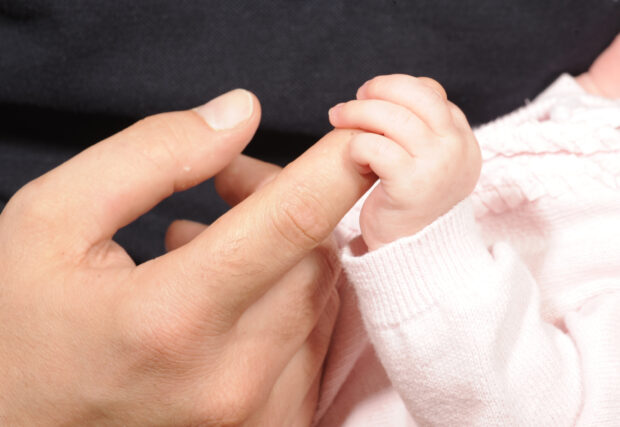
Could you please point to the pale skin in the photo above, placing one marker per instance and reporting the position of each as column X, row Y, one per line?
column 422, row 148
column 229, row 328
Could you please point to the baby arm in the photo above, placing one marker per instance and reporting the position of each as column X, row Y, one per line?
column 457, row 325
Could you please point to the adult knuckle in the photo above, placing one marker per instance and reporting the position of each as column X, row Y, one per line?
column 231, row 407
column 31, row 207
column 161, row 137
column 237, row 392
column 153, row 334
column 27, row 197
column 301, row 218
column 226, row 409
column 166, row 124
column 147, row 339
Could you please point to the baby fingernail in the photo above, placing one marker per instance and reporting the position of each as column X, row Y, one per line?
column 227, row 111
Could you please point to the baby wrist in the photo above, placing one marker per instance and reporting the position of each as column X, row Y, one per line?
column 406, row 277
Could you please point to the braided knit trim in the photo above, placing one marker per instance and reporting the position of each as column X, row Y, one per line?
column 562, row 143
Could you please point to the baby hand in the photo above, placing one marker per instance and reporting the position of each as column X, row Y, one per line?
column 421, row 147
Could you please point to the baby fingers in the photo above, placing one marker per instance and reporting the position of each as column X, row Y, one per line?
column 381, row 155
column 384, row 118
column 423, row 96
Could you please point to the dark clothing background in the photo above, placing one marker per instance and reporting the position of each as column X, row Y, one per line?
column 73, row 71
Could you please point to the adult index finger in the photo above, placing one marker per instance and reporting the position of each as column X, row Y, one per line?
column 236, row 260
column 242, row 177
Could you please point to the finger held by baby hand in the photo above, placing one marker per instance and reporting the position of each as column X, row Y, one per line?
column 376, row 153
column 384, row 118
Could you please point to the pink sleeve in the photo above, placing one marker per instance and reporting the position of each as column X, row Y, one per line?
column 458, row 328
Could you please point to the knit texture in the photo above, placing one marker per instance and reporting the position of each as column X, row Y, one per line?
column 506, row 310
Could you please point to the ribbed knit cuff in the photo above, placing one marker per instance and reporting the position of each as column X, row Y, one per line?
column 398, row 281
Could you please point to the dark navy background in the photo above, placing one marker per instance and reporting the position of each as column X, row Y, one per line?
column 75, row 71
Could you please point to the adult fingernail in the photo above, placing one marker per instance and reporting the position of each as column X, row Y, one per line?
column 227, row 111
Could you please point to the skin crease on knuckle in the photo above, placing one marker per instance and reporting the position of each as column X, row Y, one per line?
column 300, row 217
column 225, row 260
column 29, row 206
column 154, row 334
column 238, row 396
column 169, row 131
column 403, row 118
column 31, row 218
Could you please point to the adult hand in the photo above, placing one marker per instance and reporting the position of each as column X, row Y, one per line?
column 214, row 332
column 241, row 178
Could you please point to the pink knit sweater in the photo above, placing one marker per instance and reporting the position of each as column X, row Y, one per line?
column 506, row 310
